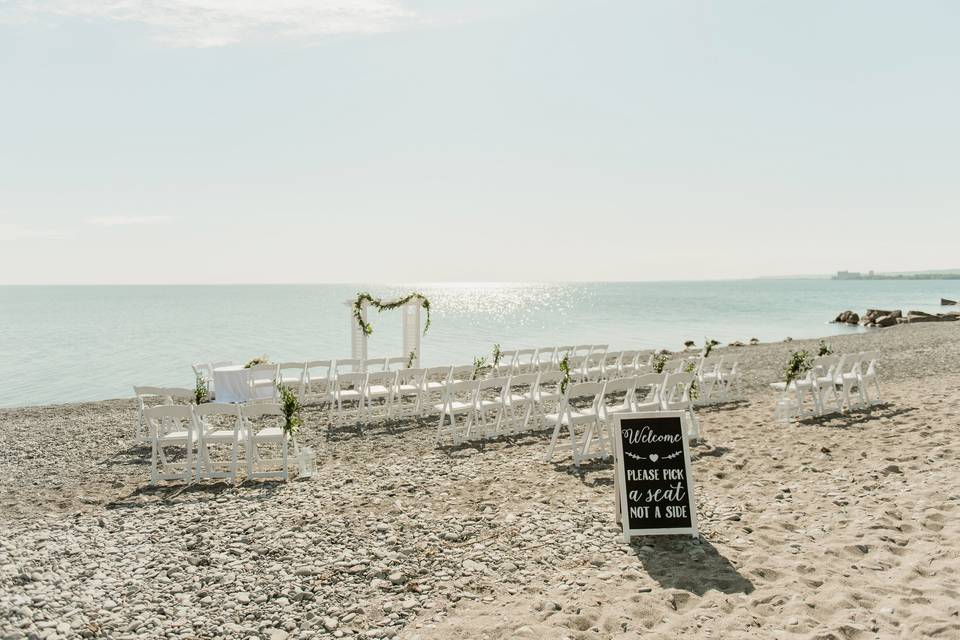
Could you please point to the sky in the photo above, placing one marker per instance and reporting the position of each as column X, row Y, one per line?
column 208, row 141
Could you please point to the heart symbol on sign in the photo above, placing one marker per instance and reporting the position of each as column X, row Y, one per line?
column 654, row 457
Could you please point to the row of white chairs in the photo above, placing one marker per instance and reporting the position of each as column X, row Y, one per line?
column 478, row 409
column 197, row 431
column 835, row 383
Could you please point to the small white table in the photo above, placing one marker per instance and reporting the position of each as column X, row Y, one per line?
column 231, row 383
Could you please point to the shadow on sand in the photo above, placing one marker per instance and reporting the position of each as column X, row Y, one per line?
column 681, row 564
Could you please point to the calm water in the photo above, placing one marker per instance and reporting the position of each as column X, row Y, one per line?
column 63, row 344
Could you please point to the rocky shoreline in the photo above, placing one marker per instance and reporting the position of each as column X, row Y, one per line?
column 881, row 318
column 844, row 527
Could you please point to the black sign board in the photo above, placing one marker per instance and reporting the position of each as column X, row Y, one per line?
column 654, row 489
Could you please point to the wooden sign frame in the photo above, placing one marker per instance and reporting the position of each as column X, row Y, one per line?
column 619, row 478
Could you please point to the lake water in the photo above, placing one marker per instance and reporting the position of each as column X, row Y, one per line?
column 65, row 344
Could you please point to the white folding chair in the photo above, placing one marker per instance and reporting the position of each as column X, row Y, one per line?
column 379, row 388
column 847, row 381
column 730, row 379
column 348, row 394
column 218, row 424
column 505, row 366
column 317, row 383
column 868, row 375
column 524, row 363
column 578, row 408
column 798, row 398
column 409, row 384
column 145, row 397
column 545, row 359
column 547, row 395
column 616, row 397
column 710, row 380
column 647, row 392
column 263, row 425
column 396, row 363
column 435, row 380
column 262, row 379
column 178, row 395
column 520, row 398
column 461, row 372
column 293, row 375
column 675, row 396
column 627, row 364
column 171, row 426
column 347, row 365
column 491, row 400
column 374, row 364
column 592, row 367
column 459, row 399
column 822, row 375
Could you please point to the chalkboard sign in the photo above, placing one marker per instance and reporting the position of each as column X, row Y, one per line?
column 654, row 489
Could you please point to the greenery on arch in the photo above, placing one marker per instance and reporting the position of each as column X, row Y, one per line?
column 380, row 305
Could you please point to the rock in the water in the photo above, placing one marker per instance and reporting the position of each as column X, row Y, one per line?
column 847, row 317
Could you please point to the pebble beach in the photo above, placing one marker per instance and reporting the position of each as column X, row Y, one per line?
column 839, row 528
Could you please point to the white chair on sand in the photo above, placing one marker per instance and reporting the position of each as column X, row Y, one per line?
column 491, row 400
column 145, row 397
column 648, row 391
column 374, row 364
column 709, row 379
column 461, row 372
column 520, row 397
column 547, row 394
column 730, row 379
column 348, row 395
column 627, row 365
column 524, row 362
column 171, row 426
column 396, row 363
column 435, row 380
column 675, row 396
column 317, row 383
column 822, row 376
column 262, row 379
column 178, row 395
column 218, row 424
column 545, row 359
column 263, row 425
column 347, row 365
column 868, row 376
column 578, row 408
column 798, row 399
column 459, row 399
column 505, row 366
column 409, row 384
column 617, row 397
column 293, row 376
column 847, row 380
column 379, row 389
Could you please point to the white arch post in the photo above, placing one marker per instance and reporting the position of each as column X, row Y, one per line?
column 411, row 331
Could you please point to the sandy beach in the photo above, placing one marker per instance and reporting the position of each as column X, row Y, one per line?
column 841, row 528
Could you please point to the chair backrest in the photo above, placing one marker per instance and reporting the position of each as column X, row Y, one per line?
column 461, row 391
column 619, row 385
column 652, row 383
column 596, row 349
column 374, row 364
column 676, row 387
column 709, row 365
column 143, row 392
column 395, row 363
column 507, row 359
column 461, row 372
column 545, row 356
column 263, row 372
column 317, row 370
column 582, row 350
column 825, row 365
column 356, row 381
column 381, row 378
column 292, row 370
column 437, row 374
column 202, row 370
column 583, row 393
column 493, row 384
column 165, row 418
column 524, row 359
column 868, row 361
column 410, row 376
column 347, row 365
column 181, row 394
column 523, row 380
column 219, row 415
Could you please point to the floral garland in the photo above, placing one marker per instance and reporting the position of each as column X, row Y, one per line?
column 386, row 306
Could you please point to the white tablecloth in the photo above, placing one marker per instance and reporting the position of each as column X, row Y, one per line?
column 231, row 384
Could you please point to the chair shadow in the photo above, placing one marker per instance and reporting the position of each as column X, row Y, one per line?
column 709, row 452
column 248, row 490
column 717, row 407
column 673, row 566
column 857, row 416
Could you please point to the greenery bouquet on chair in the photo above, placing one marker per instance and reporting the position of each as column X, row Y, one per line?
column 291, row 406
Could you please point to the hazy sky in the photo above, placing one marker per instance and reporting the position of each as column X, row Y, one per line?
column 402, row 140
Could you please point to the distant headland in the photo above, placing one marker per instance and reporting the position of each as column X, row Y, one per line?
column 920, row 275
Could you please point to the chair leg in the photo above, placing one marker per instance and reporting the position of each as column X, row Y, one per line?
column 553, row 440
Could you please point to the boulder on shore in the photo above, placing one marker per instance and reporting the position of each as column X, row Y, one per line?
column 946, row 301
column 869, row 319
column 847, row 317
